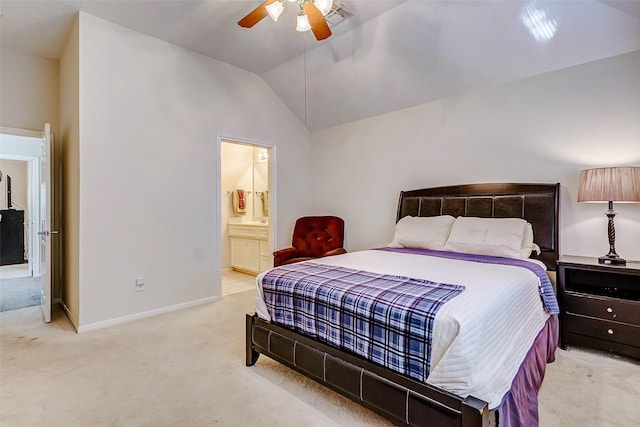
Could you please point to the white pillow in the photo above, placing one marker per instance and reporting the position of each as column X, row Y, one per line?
column 527, row 243
column 488, row 236
column 429, row 232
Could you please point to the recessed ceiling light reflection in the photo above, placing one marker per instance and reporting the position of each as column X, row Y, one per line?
column 539, row 20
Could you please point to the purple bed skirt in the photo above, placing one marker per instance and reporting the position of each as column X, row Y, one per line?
column 520, row 405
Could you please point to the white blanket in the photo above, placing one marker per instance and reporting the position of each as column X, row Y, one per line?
column 481, row 337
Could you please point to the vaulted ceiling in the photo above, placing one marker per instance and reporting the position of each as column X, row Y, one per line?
column 390, row 54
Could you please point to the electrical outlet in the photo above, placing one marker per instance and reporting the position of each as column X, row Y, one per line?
column 140, row 284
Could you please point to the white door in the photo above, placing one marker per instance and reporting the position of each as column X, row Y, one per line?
column 45, row 232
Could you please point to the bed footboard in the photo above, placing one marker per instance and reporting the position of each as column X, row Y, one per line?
column 401, row 400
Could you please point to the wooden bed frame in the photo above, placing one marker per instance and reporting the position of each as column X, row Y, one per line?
column 400, row 399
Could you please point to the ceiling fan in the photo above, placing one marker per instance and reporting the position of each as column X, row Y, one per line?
column 310, row 16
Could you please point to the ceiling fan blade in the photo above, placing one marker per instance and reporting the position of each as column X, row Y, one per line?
column 255, row 15
column 318, row 24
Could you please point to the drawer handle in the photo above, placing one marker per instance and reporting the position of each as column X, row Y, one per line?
column 610, row 331
column 609, row 310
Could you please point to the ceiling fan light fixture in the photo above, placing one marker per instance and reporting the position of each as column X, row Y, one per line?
column 303, row 22
column 275, row 10
column 324, row 6
column 310, row 17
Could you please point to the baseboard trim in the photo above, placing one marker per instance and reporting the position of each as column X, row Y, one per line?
column 68, row 313
column 144, row 314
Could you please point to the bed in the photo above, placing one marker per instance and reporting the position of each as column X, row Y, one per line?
column 455, row 392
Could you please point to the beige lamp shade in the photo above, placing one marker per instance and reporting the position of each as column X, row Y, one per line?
column 613, row 184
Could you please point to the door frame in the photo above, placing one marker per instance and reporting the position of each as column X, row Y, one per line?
column 56, row 202
column 219, row 191
column 33, row 164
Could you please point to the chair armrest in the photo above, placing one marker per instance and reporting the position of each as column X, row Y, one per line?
column 282, row 255
column 337, row 251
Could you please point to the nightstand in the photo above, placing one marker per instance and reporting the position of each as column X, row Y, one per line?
column 599, row 305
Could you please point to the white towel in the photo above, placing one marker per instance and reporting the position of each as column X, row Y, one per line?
column 264, row 198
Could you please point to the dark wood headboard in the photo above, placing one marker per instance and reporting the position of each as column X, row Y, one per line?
column 536, row 203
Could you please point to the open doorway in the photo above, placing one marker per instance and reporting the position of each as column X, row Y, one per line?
column 246, row 200
column 20, row 275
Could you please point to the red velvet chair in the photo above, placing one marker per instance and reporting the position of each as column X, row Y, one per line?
column 313, row 237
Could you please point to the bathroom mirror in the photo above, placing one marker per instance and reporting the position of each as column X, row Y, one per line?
column 261, row 184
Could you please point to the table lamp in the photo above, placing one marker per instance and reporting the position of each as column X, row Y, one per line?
column 611, row 184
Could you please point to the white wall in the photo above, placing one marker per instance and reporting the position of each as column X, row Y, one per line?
column 16, row 148
column 70, row 147
column 29, row 91
column 421, row 51
column 541, row 129
column 149, row 116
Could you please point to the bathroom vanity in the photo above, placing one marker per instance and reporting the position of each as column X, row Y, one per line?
column 250, row 252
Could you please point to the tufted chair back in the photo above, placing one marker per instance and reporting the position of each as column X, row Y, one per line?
column 313, row 237
column 316, row 235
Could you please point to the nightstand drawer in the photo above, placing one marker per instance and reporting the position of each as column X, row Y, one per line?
column 602, row 329
column 603, row 307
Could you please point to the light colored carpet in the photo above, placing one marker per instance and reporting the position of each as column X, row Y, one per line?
column 19, row 293
column 186, row 368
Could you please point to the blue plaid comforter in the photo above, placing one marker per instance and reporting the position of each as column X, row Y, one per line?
column 385, row 319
